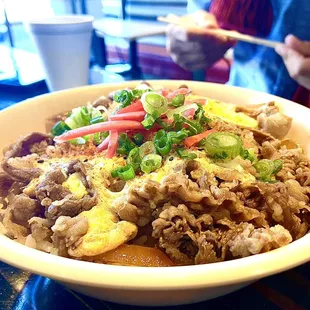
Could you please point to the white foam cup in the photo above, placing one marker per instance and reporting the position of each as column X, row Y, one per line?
column 63, row 44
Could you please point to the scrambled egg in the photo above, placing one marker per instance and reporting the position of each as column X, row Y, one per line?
column 75, row 185
column 225, row 111
column 105, row 231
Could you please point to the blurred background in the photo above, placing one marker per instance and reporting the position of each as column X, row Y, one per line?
column 128, row 43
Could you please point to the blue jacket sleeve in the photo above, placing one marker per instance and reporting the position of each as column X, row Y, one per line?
column 195, row 5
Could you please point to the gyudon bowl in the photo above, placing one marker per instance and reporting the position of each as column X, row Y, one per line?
column 158, row 197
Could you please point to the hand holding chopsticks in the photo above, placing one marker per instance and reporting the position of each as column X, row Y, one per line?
column 175, row 20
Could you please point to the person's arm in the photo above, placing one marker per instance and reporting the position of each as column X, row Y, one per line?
column 296, row 56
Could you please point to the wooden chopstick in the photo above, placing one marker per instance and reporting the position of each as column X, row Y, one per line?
column 230, row 34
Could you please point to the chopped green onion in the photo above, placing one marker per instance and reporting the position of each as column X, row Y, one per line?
column 151, row 163
column 178, row 122
column 177, row 101
column 160, row 134
column 94, row 112
column 248, row 154
column 79, row 141
column 123, row 98
column 163, row 146
column 193, row 127
column 266, row 168
column 185, row 154
column 59, row 128
column 164, row 125
column 97, row 119
column 137, row 93
column 79, row 117
column 148, row 121
column 83, row 116
column 223, row 145
column 138, row 138
column 221, row 156
column 202, row 142
column 154, row 104
column 125, row 145
column 278, row 164
column 99, row 137
column 181, row 110
column 162, row 143
column 200, row 115
column 134, row 158
column 177, row 137
column 147, row 148
column 124, row 173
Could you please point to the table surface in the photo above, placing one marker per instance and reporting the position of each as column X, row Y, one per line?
column 21, row 290
column 127, row 29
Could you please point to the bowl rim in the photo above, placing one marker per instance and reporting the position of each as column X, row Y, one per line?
column 144, row 278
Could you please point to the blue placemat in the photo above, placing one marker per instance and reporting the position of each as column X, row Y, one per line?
column 21, row 290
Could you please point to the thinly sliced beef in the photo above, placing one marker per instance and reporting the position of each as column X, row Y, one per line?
column 142, row 202
column 255, row 241
column 5, row 184
column 102, row 101
column 173, row 228
column 40, row 237
column 11, row 229
column 50, row 189
column 57, row 199
column 192, row 239
column 22, row 168
column 139, row 202
column 15, row 216
column 15, row 162
column 23, row 146
column 188, row 218
column 282, row 203
column 188, row 243
column 276, row 124
column 52, row 120
column 269, row 118
column 70, row 206
column 261, row 136
column 78, row 166
column 24, row 208
column 68, row 233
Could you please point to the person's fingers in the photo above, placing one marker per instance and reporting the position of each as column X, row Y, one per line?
column 207, row 38
column 188, row 60
column 303, row 47
column 185, row 59
column 282, row 50
column 176, row 46
column 181, row 34
column 297, row 65
column 200, row 18
column 206, row 20
column 196, row 64
column 177, row 33
column 192, row 66
column 291, row 58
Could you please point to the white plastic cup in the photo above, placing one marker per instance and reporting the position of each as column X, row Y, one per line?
column 63, row 44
